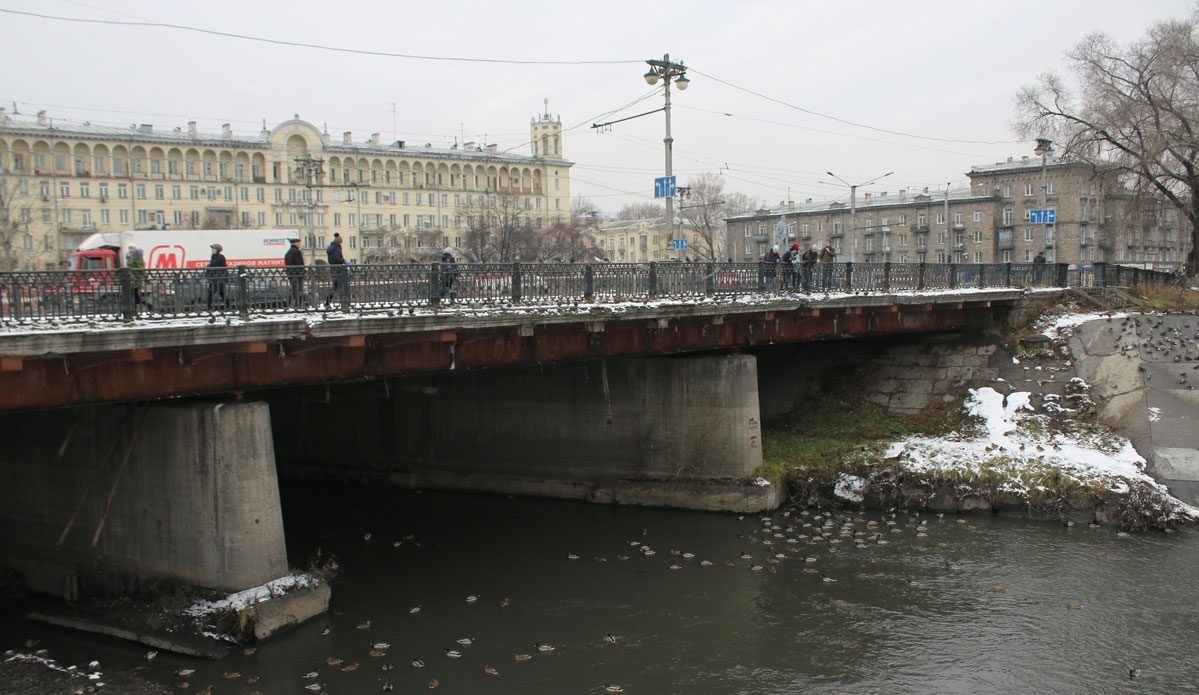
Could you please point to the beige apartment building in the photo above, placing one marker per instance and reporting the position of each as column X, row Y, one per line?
column 390, row 201
column 989, row 222
column 645, row 240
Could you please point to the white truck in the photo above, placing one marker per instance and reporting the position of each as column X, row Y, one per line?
column 162, row 249
column 94, row 282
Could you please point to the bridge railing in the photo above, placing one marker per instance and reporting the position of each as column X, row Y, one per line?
column 114, row 295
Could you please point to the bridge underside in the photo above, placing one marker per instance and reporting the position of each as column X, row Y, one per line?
column 155, row 363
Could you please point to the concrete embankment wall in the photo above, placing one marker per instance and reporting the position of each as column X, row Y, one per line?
column 1144, row 373
column 594, row 430
column 183, row 491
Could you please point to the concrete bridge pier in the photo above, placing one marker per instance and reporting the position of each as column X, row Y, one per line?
column 113, row 496
column 663, row 431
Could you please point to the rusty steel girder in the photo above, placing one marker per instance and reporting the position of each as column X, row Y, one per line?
column 222, row 368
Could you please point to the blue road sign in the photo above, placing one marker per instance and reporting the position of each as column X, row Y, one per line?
column 1043, row 216
column 664, row 187
column 679, row 243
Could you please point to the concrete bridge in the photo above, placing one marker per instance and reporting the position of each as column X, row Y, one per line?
column 148, row 449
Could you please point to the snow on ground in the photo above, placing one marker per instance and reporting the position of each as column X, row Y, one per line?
column 1062, row 326
column 562, row 306
column 1023, row 456
column 248, row 597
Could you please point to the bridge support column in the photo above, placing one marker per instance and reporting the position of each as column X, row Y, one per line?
column 180, row 491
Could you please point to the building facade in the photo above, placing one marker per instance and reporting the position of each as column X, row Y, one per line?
column 389, row 201
column 646, row 240
column 989, row 222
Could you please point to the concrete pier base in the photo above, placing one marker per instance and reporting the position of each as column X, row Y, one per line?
column 678, row 431
column 128, row 494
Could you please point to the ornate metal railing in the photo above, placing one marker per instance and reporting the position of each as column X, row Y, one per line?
column 82, row 296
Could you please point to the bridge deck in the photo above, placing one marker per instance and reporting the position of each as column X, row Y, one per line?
column 54, row 367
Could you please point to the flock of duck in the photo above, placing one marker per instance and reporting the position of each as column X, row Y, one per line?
column 807, row 537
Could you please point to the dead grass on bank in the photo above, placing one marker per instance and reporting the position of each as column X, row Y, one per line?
column 1167, row 297
column 838, row 431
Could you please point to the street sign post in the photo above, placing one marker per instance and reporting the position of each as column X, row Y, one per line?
column 1042, row 216
column 664, row 187
column 679, row 243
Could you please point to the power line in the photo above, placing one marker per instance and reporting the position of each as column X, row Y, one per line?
column 302, row 44
column 845, row 121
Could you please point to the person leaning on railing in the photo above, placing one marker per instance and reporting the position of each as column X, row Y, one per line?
column 827, row 256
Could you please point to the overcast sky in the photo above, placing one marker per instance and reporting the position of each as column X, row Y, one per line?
column 773, row 83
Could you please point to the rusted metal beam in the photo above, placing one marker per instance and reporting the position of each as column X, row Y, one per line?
column 78, row 363
column 234, row 367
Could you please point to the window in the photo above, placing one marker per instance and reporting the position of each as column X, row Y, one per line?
column 159, row 193
column 1028, row 234
column 957, row 219
column 978, row 216
column 176, row 192
column 1049, row 188
column 921, row 220
column 903, row 219
column 140, row 191
column 1028, row 189
column 193, row 192
column 978, row 236
column 64, row 190
column 262, row 219
column 98, row 164
column 104, row 217
column 1007, row 191
column 1008, row 217
column 903, row 239
column 178, row 217
column 123, row 192
column 123, row 216
column 940, row 218
column 85, row 189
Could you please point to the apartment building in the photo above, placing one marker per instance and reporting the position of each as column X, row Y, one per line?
column 988, row 222
column 646, row 240
column 60, row 182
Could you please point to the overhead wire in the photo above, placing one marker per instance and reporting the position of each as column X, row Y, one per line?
column 305, row 44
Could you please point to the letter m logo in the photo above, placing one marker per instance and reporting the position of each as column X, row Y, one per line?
column 164, row 256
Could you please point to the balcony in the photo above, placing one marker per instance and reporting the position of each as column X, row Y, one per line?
column 959, row 227
column 761, row 238
column 1105, row 243
column 920, row 228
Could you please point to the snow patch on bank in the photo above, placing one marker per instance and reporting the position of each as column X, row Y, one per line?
column 849, row 488
column 244, row 599
column 1023, row 456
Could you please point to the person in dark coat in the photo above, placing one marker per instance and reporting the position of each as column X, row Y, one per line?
column 217, row 273
column 807, row 266
column 790, row 258
column 294, row 260
column 770, row 266
column 337, row 267
column 449, row 272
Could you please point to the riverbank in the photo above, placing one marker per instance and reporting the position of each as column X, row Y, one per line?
column 1028, row 443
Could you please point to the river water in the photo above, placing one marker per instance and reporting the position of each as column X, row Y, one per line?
column 835, row 603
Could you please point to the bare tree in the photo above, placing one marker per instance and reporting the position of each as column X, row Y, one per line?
column 14, row 223
column 641, row 211
column 705, row 207
column 1134, row 113
column 499, row 230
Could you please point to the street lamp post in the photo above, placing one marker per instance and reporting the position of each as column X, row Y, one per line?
column 853, row 209
column 667, row 71
column 1043, row 149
